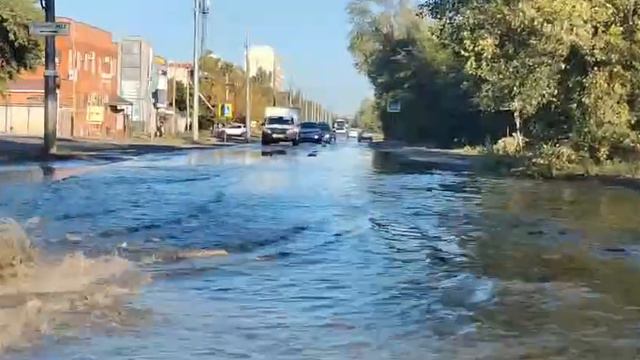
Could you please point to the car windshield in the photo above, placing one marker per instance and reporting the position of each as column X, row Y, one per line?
column 309, row 125
column 325, row 127
column 279, row 120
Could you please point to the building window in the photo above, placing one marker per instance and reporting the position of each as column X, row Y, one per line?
column 93, row 63
column 70, row 59
column 86, row 62
column 106, row 69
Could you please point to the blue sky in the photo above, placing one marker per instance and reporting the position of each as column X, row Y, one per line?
column 309, row 35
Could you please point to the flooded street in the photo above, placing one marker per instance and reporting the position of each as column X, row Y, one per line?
column 343, row 253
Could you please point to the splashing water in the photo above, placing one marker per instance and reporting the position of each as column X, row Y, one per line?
column 41, row 296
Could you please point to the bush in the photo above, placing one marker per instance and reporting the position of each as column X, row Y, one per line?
column 507, row 146
column 549, row 159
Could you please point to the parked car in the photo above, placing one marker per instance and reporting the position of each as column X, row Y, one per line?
column 365, row 136
column 328, row 134
column 233, row 131
column 311, row 132
column 353, row 133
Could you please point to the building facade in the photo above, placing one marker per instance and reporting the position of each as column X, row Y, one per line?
column 136, row 76
column 88, row 67
column 87, row 63
column 264, row 57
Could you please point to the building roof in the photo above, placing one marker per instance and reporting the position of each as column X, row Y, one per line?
column 26, row 85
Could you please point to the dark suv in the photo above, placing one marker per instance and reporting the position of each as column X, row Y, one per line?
column 328, row 134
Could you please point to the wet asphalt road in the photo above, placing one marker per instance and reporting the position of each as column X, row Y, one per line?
column 336, row 252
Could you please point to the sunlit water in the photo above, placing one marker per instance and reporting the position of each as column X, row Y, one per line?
column 350, row 254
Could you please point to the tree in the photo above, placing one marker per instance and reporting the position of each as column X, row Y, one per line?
column 368, row 116
column 404, row 59
column 18, row 50
column 505, row 47
column 181, row 95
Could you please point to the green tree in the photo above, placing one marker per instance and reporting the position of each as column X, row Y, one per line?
column 18, row 50
column 368, row 116
column 180, row 93
column 404, row 59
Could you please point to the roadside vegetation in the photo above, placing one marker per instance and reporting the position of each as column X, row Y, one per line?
column 544, row 87
column 18, row 50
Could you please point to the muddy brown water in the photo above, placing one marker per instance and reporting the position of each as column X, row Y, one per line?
column 352, row 254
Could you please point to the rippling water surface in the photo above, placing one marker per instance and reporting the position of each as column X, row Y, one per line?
column 352, row 254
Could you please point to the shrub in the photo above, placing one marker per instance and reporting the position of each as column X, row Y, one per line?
column 549, row 159
column 507, row 146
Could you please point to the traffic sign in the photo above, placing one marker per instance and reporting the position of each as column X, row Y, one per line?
column 226, row 111
column 49, row 29
column 394, row 106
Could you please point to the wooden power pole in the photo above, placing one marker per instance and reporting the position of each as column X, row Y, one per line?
column 50, row 88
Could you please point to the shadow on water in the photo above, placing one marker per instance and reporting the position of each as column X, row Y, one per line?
column 566, row 257
column 563, row 258
column 387, row 162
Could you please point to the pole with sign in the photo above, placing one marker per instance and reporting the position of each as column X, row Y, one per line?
column 50, row 29
column 394, row 106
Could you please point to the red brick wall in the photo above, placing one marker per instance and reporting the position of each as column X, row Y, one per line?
column 90, row 55
column 93, row 55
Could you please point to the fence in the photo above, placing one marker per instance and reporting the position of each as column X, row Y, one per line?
column 23, row 120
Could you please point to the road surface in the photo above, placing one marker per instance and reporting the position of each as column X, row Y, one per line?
column 337, row 252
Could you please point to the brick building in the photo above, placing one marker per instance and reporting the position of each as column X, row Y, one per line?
column 87, row 62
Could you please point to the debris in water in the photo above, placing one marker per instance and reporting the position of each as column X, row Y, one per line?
column 73, row 237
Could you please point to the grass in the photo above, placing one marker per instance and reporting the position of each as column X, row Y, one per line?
column 522, row 165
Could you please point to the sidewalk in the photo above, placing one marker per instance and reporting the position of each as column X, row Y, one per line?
column 23, row 149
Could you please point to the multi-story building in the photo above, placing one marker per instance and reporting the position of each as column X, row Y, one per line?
column 88, row 65
column 263, row 57
column 87, row 62
column 136, row 75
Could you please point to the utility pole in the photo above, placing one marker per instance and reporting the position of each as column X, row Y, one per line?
column 173, row 96
column 248, row 86
column 196, row 67
column 273, row 80
column 188, row 96
column 50, row 88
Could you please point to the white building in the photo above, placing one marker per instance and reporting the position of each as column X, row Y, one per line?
column 264, row 57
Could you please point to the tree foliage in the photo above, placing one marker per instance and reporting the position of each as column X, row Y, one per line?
column 368, row 116
column 403, row 58
column 556, row 71
column 18, row 50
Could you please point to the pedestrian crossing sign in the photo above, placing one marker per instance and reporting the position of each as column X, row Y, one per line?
column 226, row 111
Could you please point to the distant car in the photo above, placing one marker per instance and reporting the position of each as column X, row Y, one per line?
column 365, row 136
column 328, row 134
column 311, row 132
column 353, row 133
column 233, row 130
column 340, row 126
